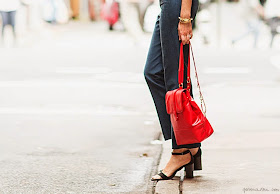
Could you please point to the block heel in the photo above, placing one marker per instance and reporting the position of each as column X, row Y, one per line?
column 197, row 163
column 189, row 170
column 197, row 160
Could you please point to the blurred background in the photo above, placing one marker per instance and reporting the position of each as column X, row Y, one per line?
column 256, row 23
column 77, row 117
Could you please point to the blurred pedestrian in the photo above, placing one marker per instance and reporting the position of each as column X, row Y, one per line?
column 55, row 11
column 27, row 4
column 8, row 9
column 142, row 8
column 130, row 17
column 110, row 12
column 161, row 74
column 91, row 10
column 272, row 15
column 204, row 18
column 75, row 8
column 252, row 14
column 51, row 11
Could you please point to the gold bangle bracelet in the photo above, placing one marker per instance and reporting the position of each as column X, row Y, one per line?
column 185, row 20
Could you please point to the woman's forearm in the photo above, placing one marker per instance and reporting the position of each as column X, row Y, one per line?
column 185, row 25
column 186, row 6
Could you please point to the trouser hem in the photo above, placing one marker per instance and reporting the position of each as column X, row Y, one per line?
column 195, row 145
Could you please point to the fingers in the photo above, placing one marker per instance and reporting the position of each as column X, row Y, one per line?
column 185, row 39
column 179, row 35
column 185, row 33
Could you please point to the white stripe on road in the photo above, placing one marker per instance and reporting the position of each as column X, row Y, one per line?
column 82, row 70
column 275, row 61
column 70, row 83
column 72, row 111
column 227, row 70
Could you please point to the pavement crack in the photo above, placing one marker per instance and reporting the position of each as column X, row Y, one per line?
column 156, row 163
column 180, row 187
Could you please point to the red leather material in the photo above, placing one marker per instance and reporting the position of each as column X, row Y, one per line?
column 189, row 123
column 169, row 103
column 178, row 96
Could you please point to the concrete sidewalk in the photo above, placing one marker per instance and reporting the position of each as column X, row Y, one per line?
column 242, row 156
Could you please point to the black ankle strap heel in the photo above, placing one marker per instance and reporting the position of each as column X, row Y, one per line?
column 189, row 167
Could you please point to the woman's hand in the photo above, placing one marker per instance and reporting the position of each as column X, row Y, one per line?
column 185, row 32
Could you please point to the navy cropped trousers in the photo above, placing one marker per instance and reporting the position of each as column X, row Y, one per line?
column 161, row 68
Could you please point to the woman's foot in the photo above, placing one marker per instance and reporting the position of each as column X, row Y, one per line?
column 194, row 150
column 175, row 162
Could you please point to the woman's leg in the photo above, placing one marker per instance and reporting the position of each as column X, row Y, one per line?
column 4, row 22
column 161, row 69
column 170, row 50
column 154, row 75
column 161, row 73
column 12, row 21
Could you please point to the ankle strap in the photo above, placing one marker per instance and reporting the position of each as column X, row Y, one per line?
column 183, row 153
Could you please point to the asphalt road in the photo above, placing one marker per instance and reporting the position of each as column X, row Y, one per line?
column 75, row 114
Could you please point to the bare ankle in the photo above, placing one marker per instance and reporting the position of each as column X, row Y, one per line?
column 179, row 150
column 194, row 150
